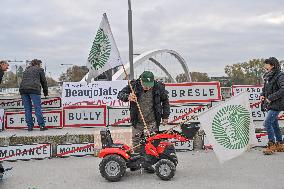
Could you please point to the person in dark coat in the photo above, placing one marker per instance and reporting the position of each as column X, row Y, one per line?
column 30, row 90
column 272, row 98
column 153, row 100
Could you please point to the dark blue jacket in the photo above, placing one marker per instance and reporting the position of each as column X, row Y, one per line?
column 273, row 90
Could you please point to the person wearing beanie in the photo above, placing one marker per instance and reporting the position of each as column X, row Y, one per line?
column 272, row 98
column 153, row 100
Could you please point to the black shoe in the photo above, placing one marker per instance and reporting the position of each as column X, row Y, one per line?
column 150, row 170
column 43, row 129
column 30, row 129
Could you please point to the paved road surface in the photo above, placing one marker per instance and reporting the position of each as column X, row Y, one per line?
column 197, row 169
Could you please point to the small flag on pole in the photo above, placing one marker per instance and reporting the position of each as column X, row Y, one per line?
column 104, row 54
column 229, row 127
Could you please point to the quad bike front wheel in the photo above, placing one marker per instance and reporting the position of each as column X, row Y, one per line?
column 165, row 169
column 113, row 167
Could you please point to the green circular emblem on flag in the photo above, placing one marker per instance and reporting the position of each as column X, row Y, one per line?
column 100, row 51
column 230, row 126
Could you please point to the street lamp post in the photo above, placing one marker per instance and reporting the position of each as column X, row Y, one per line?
column 130, row 40
column 67, row 69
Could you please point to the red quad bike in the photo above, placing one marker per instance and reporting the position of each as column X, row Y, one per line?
column 155, row 150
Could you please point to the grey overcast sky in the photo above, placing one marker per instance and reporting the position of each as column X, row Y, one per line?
column 209, row 34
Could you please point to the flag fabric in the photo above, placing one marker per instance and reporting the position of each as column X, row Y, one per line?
column 229, row 127
column 104, row 53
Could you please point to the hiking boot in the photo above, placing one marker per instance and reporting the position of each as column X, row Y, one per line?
column 270, row 148
column 279, row 146
column 43, row 129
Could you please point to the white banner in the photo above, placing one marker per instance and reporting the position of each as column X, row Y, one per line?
column 25, row 152
column 88, row 116
column 16, row 120
column 181, row 113
column 119, row 116
column 17, row 103
column 252, row 90
column 182, row 145
column 229, row 127
column 95, row 93
column 83, row 149
column 193, row 92
column 262, row 140
column 1, row 119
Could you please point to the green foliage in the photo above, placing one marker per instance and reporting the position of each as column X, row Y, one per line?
column 195, row 77
column 9, row 80
column 199, row 77
column 247, row 73
column 73, row 74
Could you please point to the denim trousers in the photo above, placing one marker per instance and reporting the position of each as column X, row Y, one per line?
column 28, row 100
column 272, row 126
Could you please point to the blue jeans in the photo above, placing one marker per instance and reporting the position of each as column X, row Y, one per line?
column 272, row 126
column 27, row 101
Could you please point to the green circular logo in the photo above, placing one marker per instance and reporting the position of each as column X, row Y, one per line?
column 100, row 51
column 230, row 126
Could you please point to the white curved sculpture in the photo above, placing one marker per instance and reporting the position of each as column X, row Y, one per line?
column 120, row 75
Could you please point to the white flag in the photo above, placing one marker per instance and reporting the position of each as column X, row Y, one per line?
column 229, row 127
column 104, row 54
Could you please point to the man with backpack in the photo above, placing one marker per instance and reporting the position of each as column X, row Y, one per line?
column 272, row 98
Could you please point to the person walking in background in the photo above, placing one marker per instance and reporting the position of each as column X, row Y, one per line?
column 272, row 98
column 30, row 90
column 4, row 66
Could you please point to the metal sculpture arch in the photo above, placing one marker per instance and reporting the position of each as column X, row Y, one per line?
column 120, row 75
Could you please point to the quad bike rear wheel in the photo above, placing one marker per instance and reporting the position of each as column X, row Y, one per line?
column 165, row 169
column 113, row 167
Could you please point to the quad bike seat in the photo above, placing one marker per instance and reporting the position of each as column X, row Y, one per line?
column 107, row 141
column 189, row 130
column 106, row 138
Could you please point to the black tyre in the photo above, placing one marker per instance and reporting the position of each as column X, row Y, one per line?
column 170, row 153
column 165, row 169
column 112, row 167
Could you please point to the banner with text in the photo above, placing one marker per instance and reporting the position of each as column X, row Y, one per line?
column 17, row 103
column 16, row 120
column 25, row 152
column 66, row 150
column 84, row 116
column 95, row 93
column 254, row 94
column 181, row 113
column 193, row 92
column 119, row 116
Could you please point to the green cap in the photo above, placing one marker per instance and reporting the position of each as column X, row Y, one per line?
column 147, row 78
